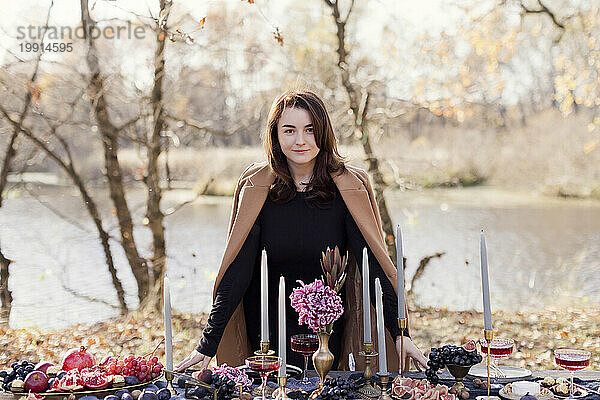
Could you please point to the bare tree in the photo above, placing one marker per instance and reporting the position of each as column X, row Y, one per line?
column 109, row 133
column 359, row 104
column 154, row 148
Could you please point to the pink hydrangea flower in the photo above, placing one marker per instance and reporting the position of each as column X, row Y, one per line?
column 317, row 305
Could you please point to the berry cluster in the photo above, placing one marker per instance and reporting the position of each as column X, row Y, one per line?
column 226, row 387
column 449, row 354
column 144, row 369
column 19, row 371
column 337, row 388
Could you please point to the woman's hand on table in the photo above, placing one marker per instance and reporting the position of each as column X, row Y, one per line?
column 411, row 351
column 192, row 359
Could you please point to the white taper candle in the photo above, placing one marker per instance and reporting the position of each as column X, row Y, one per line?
column 282, row 338
column 400, row 273
column 366, row 297
column 264, row 298
column 168, row 331
column 380, row 328
column 485, row 284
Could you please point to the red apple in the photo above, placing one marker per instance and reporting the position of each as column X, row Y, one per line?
column 43, row 366
column 36, row 381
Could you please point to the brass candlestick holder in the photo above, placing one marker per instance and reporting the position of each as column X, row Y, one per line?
column 169, row 375
column 384, row 378
column 489, row 336
column 282, row 382
column 264, row 350
column 402, row 324
column 367, row 390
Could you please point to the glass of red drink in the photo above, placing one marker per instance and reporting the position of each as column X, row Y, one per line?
column 305, row 344
column 263, row 365
column 572, row 360
column 499, row 348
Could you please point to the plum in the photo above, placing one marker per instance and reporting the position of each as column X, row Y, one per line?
column 148, row 395
column 163, row 394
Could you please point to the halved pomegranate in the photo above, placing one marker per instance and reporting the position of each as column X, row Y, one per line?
column 70, row 382
column 77, row 359
column 95, row 379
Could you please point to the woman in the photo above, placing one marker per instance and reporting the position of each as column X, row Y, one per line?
column 303, row 200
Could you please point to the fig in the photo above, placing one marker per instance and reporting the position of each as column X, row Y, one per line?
column 43, row 366
column 136, row 394
column 126, row 396
column 36, row 382
column 469, row 346
column 77, row 359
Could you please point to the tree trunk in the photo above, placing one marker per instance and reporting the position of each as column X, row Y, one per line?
column 110, row 134
column 360, row 122
column 9, row 154
column 89, row 203
column 5, row 295
column 153, row 212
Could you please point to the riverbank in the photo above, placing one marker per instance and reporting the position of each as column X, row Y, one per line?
column 535, row 335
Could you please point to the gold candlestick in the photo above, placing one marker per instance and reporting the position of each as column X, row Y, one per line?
column 489, row 336
column 367, row 389
column 264, row 350
column 402, row 324
column 282, row 382
column 169, row 378
column 384, row 378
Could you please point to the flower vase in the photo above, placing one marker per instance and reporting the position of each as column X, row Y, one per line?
column 323, row 358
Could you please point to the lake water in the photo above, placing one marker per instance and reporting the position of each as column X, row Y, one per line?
column 542, row 252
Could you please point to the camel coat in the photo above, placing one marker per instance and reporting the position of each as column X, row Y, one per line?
column 249, row 196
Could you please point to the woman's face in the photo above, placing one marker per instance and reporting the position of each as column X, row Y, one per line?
column 296, row 137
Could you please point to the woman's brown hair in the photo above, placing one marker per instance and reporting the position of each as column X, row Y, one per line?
column 321, row 188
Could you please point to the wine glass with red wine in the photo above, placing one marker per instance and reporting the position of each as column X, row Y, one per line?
column 499, row 348
column 263, row 365
column 305, row 344
column 572, row 360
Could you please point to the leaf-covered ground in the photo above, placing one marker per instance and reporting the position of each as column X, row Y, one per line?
column 535, row 334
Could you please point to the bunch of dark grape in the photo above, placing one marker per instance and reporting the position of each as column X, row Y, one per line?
column 338, row 388
column 449, row 354
column 226, row 388
column 19, row 370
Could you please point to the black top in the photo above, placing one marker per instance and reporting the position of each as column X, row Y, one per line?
column 294, row 234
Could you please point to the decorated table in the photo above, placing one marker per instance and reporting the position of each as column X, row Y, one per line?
column 454, row 372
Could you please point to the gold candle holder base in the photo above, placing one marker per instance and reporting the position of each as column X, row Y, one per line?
column 264, row 350
column 282, row 382
column 367, row 390
column 169, row 375
column 488, row 335
column 384, row 378
column 402, row 324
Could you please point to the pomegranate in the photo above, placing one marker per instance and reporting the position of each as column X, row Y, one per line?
column 70, row 382
column 77, row 359
column 95, row 379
